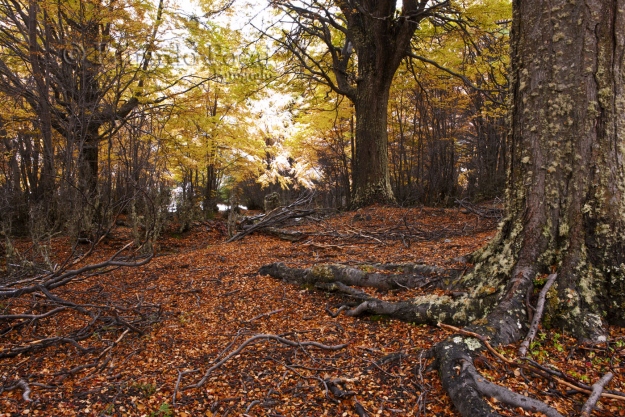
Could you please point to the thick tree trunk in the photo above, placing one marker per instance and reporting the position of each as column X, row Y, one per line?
column 381, row 42
column 566, row 208
column 371, row 181
column 566, row 183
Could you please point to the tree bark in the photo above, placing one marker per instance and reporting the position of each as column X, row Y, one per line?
column 371, row 181
column 566, row 180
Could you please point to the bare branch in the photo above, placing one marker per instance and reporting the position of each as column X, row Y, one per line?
column 254, row 339
column 538, row 315
column 597, row 388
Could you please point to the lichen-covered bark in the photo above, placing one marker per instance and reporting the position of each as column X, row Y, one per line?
column 566, row 185
column 458, row 310
column 407, row 276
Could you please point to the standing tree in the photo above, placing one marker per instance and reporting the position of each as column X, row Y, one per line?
column 364, row 43
column 565, row 200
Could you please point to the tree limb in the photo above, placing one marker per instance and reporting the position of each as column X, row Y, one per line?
column 597, row 388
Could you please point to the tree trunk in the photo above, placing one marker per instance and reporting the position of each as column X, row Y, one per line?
column 566, row 180
column 45, row 190
column 371, row 180
column 89, row 160
column 381, row 41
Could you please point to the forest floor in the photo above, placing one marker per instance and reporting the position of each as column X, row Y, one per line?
column 211, row 300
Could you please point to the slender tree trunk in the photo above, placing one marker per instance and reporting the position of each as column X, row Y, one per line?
column 45, row 189
column 89, row 160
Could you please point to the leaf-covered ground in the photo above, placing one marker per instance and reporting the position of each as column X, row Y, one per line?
column 207, row 299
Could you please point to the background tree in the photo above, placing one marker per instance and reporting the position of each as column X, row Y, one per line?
column 91, row 77
column 364, row 43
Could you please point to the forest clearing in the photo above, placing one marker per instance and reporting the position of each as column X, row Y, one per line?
column 208, row 298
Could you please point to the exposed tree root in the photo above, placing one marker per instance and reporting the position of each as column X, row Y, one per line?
column 408, row 276
column 504, row 323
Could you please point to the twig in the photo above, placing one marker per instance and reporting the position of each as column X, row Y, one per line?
column 271, row 313
column 119, row 339
column 586, row 391
column 597, row 389
column 252, row 404
column 564, row 379
column 538, row 315
column 180, row 375
column 262, row 337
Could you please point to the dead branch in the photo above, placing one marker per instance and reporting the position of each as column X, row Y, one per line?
column 538, row 315
column 278, row 216
column 271, row 313
column 21, row 384
column 284, row 234
column 564, row 379
column 180, row 375
column 337, row 313
column 261, row 337
column 332, row 385
column 597, row 388
column 44, row 343
column 57, row 280
column 485, row 212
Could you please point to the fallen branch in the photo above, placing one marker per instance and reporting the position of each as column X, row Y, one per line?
column 332, row 385
column 284, row 234
column 180, row 375
column 485, row 212
column 587, row 391
column 271, row 313
column 254, row 339
column 564, row 379
column 21, row 384
column 597, row 389
column 538, row 315
column 337, row 313
column 278, row 216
